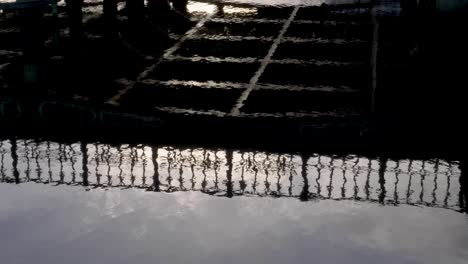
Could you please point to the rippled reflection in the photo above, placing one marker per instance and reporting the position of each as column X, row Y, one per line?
column 224, row 172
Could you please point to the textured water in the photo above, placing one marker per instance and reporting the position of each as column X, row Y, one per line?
column 289, row 2
column 101, row 203
column 228, row 173
column 93, row 202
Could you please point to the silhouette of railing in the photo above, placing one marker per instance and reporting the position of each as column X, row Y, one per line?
column 434, row 183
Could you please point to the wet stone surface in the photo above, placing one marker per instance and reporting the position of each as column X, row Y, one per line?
column 200, row 70
column 182, row 96
column 224, row 48
column 261, row 51
column 305, row 101
column 339, row 51
column 338, row 30
column 266, row 52
column 241, row 28
column 315, row 75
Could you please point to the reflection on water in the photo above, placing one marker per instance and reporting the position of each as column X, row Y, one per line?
column 287, row 2
column 224, row 172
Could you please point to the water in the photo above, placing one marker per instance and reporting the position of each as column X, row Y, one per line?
column 150, row 203
column 100, row 203
column 229, row 173
column 287, row 2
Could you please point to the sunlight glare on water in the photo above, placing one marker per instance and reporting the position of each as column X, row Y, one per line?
column 201, row 8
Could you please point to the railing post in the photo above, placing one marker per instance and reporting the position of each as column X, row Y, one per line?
column 84, row 153
column 382, row 170
column 229, row 160
column 154, row 159
column 2, row 162
column 463, row 186
column 14, row 157
column 304, row 196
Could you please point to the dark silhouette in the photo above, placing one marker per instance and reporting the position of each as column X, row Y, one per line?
column 110, row 16
column 464, row 185
column 75, row 17
column 135, row 10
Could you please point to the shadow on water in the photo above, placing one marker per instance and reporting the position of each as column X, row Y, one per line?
column 229, row 173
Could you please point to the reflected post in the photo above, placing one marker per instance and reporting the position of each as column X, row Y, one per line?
column 463, row 185
column 84, row 153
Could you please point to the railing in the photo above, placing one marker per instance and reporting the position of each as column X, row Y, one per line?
column 434, row 183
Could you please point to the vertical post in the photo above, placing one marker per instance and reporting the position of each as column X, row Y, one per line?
column 96, row 159
column 2, row 162
column 49, row 164
column 304, row 196
column 84, row 153
column 72, row 161
column 220, row 9
column 154, row 159
column 367, row 186
column 14, row 157
column 291, row 170
column 229, row 159
column 319, row 176
column 36, row 153
column 192, row 169
column 382, row 170
column 330, row 184
column 61, row 157
column 463, row 186
column 28, row 162
column 215, row 168
column 108, row 158
column 133, row 159
column 397, row 176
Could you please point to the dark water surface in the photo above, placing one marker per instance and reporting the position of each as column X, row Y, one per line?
column 99, row 203
column 94, row 202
